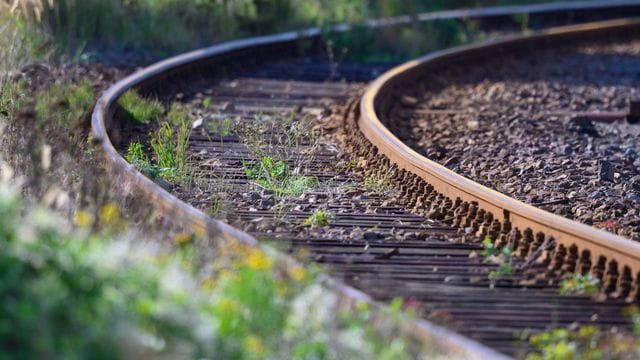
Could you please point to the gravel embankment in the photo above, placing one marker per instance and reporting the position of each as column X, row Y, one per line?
column 503, row 133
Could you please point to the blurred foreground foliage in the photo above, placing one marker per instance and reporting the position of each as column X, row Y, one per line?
column 70, row 292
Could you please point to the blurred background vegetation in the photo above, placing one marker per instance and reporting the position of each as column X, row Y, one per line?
column 169, row 26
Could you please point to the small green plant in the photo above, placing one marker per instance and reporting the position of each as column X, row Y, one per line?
column 169, row 144
column 137, row 157
column 222, row 127
column 346, row 165
column 206, row 102
column 179, row 117
column 163, row 145
column 281, row 147
column 634, row 314
column 275, row 175
column 580, row 284
column 318, row 218
column 501, row 256
column 216, row 205
column 139, row 109
column 379, row 180
column 587, row 342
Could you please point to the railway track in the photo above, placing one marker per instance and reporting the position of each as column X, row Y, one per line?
column 405, row 241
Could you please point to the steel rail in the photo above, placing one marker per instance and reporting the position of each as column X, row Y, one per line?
column 185, row 216
column 622, row 255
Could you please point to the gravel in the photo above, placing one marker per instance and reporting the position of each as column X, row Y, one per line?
column 503, row 122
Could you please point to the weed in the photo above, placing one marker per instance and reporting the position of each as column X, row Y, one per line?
column 342, row 166
column 634, row 313
column 216, row 205
column 503, row 257
column 319, row 218
column 137, row 157
column 379, row 180
column 179, row 117
column 222, row 127
column 206, row 102
column 281, row 147
column 163, row 147
column 580, row 284
column 139, row 109
column 169, row 144
column 275, row 176
column 12, row 98
column 586, row 342
column 19, row 46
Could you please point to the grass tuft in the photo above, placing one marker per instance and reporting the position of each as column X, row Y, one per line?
column 379, row 180
column 137, row 157
column 319, row 218
column 276, row 176
column 139, row 109
column 580, row 284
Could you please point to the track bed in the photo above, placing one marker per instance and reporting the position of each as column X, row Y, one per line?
column 505, row 122
column 373, row 240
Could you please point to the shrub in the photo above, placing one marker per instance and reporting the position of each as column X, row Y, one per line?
column 68, row 294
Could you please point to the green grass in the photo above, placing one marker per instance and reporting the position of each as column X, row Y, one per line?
column 169, row 26
column 580, row 284
column 169, row 144
column 140, row 110
column 275, row 175
column 503, row 257
column 379, row 180
column 585, row 342
column 222, row 127
column 179, row 118
column 137, row 157
column 319, row 218
column 72, row 293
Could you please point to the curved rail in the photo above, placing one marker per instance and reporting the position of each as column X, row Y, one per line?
column 589, row 244
column 185, row 216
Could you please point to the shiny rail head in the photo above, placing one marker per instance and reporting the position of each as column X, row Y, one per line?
column 607, row 254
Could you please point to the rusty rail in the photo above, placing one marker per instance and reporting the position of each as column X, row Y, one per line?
column 584, row 246
column 185, row 216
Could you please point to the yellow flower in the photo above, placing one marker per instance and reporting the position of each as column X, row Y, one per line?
column 83, row 219
column 297, row 273
column 199, row 232
column 225, row 274
column 227, row 305
column 182, row 239
column 254, row 345
column 258, row 260
column 282, row 290
column 108, row 213
column 208, row 283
